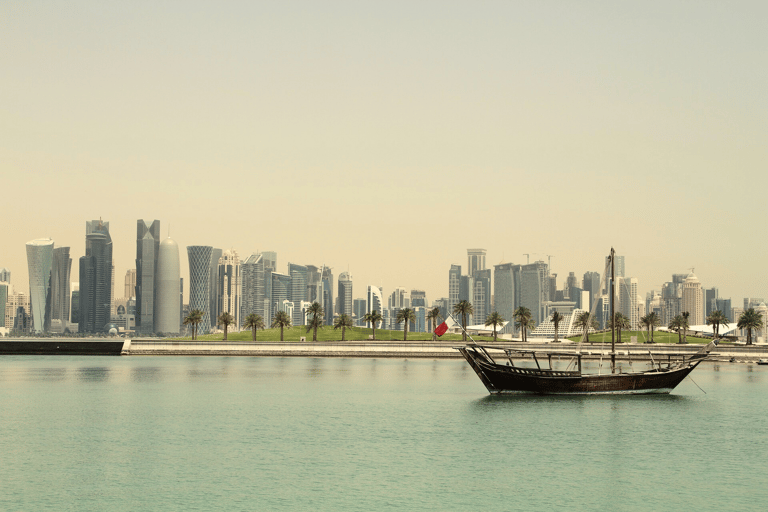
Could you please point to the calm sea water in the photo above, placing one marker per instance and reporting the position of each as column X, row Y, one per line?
column 240, row 433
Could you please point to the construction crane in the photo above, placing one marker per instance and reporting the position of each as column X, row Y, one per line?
column 529, row 257
column 549, row 262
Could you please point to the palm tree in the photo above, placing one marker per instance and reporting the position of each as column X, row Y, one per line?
column 316, row 310
column 621, row 322
column 343, row 321
column 405, row 315
column 556, row 319
column 226, row 320
column 281, row 320
column 750, row 319
column 650, row 321
column 373, row 318
column 522, row 316
column 686, row 315
column 677, row 325
column 433, row 316
column 716, row 319
column 586, row 322
column 463, row 308
column 496, row 320
column 253, row 322
column 194, row 318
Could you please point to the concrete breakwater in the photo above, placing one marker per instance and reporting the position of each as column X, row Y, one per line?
column 420, row 349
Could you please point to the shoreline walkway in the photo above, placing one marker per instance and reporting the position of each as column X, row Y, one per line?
column 422, row 349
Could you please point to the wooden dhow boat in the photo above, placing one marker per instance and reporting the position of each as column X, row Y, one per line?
column 508, row 378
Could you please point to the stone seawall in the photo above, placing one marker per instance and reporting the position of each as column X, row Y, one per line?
column 419, row 349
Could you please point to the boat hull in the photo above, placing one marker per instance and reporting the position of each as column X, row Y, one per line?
column 500, row 379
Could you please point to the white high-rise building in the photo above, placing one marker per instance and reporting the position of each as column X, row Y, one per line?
column 229, row 286
column 693, row 300
column 626, row 289
column 168, row 302
column 344, row 297
column 374, row 301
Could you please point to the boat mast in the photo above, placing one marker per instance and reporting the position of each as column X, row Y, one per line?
column 613, row 314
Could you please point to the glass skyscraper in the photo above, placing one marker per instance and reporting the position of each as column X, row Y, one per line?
column 200, row 282
column 96, row 278
column 147, row 249
column 40, row 260
column 60, row 294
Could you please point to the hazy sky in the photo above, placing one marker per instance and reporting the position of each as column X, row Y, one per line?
column 388, row 137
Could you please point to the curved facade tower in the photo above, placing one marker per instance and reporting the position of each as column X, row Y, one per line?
column 40, row 260
column 167, row 303
column 200, row 282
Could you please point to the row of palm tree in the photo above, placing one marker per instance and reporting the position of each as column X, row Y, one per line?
column 749, row 320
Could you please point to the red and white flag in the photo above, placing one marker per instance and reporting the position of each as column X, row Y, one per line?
column 440, row 330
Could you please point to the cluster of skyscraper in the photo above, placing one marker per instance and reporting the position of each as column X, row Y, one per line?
column 219, row 281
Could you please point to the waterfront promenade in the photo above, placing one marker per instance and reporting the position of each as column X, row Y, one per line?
column 422, row 349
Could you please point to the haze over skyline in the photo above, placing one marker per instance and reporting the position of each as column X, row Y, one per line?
column 388, row 138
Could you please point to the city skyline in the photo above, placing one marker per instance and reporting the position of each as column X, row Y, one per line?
column 643, row 286
column 484, row 301
column 411, row 132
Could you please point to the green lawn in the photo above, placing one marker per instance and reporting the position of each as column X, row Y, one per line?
column 328, row 333
column 642, row 336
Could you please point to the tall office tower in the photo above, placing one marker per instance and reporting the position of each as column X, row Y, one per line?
column 670, row 303
column 282, row 286
column 168, row 291
column 5, row 275
column 229, row 283
column 591, row 283
column 147, row 249
column 130, row 283
column 570, row 282
column 752, row 302
column 40, row 261
column 475, row 261
column 253, row 289
column 466, row 287
column 60, row 295
column 693, row 300
column 299, row 280
column 534, row 288
column 96, row 278
column 419, row 299
column 200, row 283
column 724, row 305
column 374, row 302
column 344, row 301
column 619, row 268
column 626, row 289
column 481, row 301
column 327, row 294
column 3, row 302
column 270, row 261
column 214, row 285
column 17, row 311
column 314, row 284
column 552, row 293
column 504, row 292
column 399, row 299
column 710, row 301
column 358, row 309
column 454, row 285
column 74, row 310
